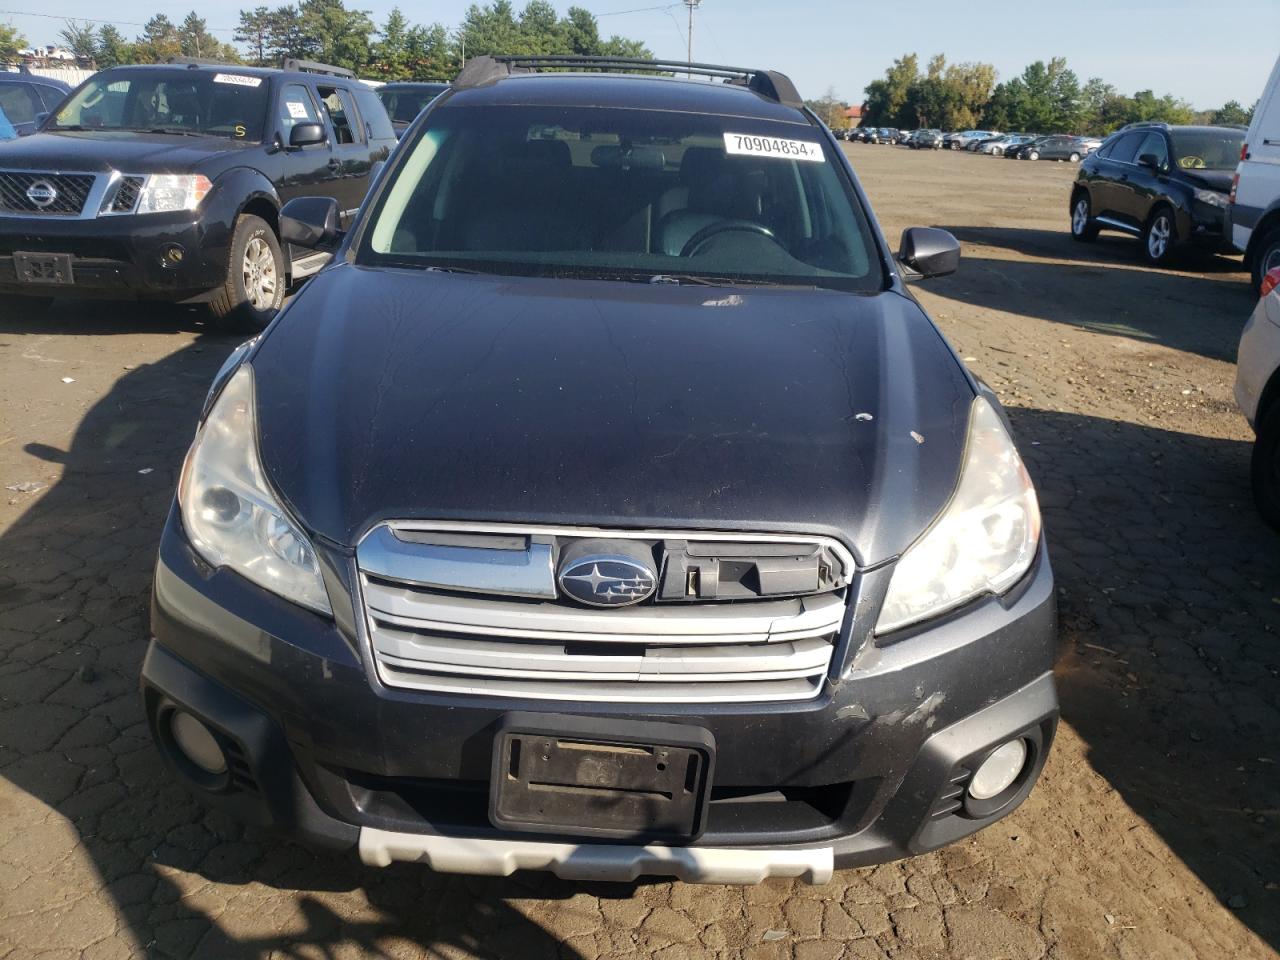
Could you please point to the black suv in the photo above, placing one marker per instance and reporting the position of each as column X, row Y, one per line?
column 1160, row 183
column 166, row 182
column 607, row 506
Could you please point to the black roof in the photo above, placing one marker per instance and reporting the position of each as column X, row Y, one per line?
column 6, row 76
column 620, row 83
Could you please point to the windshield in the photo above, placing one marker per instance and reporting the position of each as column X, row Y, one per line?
column 623, row 194
column 198, row 102
column 1207, row 149
column 405, row 103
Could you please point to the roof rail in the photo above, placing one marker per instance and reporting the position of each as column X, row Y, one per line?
column 768, row 83
column 199, row 61
column 311, row 66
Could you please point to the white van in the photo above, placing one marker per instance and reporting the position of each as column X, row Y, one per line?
column 1255, row 191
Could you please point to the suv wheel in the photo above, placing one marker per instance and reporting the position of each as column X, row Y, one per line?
column 1159, row 236
column 1083, row 227
column 1074, row 158
column 1265, row 467
column 1032, row 155
column 254, row 289
column 1267, row 257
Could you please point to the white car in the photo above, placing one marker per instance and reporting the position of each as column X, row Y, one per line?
column 1255, row 191
column 1258, row 394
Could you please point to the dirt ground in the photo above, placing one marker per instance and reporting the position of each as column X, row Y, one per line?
column 1153, row 833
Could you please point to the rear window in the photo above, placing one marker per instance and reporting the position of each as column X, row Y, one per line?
column 623, row 194
column 1207, row 149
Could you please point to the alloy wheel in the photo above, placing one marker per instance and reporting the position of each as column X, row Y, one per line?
column 259, row 269
column 1158, row 236
column 1080, row 216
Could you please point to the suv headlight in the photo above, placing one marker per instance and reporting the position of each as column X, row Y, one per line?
column 1213, row 198
column 230, row 513
column 166, row 192
column 983, row 542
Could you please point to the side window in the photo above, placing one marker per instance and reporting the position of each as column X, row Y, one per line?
column 1154, row 144
column 296, row 106
column 17, row 102
column 1126, row 148
column 51, row 96
column 375, row 115
column 342, row 115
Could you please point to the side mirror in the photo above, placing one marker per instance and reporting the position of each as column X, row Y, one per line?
column 310, row 222
column 929, row 252
column 40, row 119
column 305, row 135
column 1149, row 161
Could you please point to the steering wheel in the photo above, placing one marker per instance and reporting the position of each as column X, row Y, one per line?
column 700, row 238
column 1191, row 163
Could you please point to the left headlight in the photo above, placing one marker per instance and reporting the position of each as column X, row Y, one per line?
column 167, row 192
column 1213, row 198
column 983, row 542
column 232, row 517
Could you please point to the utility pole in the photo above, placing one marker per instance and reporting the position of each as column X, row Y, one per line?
column 692, row 5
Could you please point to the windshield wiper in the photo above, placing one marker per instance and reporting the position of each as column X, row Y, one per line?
column 694, row 279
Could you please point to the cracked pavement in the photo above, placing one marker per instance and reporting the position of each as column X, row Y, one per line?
column 1151, row 835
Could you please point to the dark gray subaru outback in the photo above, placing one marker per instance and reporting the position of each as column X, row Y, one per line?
column 608, row 506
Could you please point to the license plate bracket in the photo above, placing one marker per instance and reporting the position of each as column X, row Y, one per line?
column 601, row 778
column 53, row 269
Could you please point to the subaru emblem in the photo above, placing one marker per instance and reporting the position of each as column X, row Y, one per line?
column 608, row 580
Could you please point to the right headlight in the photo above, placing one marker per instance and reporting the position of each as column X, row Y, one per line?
column 229, row 511
column 983, row 542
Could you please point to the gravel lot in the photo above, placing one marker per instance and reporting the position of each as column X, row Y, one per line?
column 1152, row 834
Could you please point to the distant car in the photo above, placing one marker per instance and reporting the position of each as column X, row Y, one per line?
column 1058, row 147
column 999, row 146
column 24, row 97
column 1255, row 191
column 886, row 135
column 1258, row 394
column 961, row 139
column 1161, row 183
column 1022, row 151
column 864, row 134
column 977, row 144
column 926, row 140
column 404, row 101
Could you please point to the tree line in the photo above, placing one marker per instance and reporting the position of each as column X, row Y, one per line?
column 1045, row 97
column 328, row 31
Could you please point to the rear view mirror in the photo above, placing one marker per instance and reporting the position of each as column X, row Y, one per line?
column 305, row 134
column 310, row 222
column 929, row 252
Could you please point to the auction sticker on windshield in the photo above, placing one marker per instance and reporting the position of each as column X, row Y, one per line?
column 239, row 79
column 748, row 144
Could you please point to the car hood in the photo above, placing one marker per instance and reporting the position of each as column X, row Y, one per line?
column 1219, row 180
column 101, row 151
column 402, row 394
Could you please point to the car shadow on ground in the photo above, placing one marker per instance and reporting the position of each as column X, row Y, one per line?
column 130, row 841
column 74, row 317
column 1171, row 666
column 1200, row 312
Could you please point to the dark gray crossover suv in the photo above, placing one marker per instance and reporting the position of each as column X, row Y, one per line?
column 607, row 506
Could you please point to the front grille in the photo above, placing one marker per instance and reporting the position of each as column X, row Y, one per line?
column 68, row 192
column 450, row 625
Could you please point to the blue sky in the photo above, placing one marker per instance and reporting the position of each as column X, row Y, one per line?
column 1198, row 50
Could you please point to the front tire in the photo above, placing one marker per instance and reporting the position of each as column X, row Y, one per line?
column 1265, row 467
column 1083, row 227
column 1266, row 258
column 1074, row 158
column 254, row 289
column 1159, row 237
column 1033, row 155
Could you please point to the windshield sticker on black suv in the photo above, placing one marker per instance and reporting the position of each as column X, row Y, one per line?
column 240, row 80
column 746, row 144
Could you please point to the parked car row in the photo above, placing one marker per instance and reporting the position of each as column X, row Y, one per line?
column 1020, row 146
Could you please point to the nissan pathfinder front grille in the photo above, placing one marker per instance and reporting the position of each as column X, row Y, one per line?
column 484, row 614
column 48, row 194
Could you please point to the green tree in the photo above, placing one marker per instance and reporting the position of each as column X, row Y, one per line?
column 80, row 38
column 582, row 33
column 112, row 48
column 159, row 40
column 11, row 41
column 887, row 98
column 254, row 32
column 830, row 109
column 333, row 34
column 429, row 54
column 1232, row 113
column 284, row 32
column 194, row 38
column 391, row 52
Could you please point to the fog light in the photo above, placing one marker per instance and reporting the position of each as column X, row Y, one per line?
column 172, row 255
column 999, row 770
column 197, row 743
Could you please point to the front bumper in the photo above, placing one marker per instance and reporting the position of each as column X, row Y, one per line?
column 872, row 770
column 120, row 256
